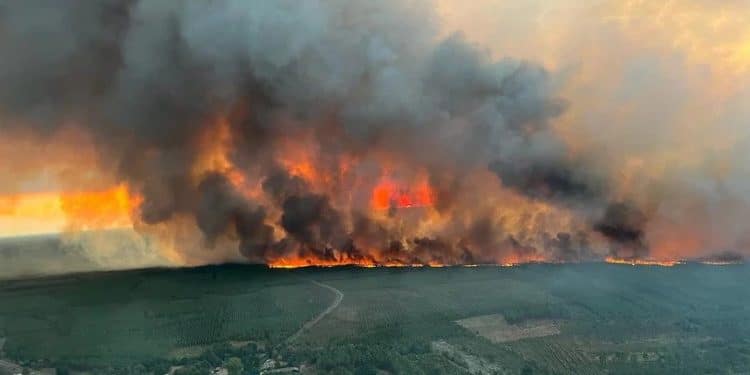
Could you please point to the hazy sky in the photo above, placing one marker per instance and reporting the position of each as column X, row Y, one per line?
column 659, row 89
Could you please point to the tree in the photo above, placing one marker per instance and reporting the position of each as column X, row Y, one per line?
column 234, row 366
column 190, row 370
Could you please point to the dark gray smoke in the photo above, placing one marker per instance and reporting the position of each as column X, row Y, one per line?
column 549, row 180
column 362, row 79
column 281, row 186
column 311, row 220
column 220, row 207
column 623, row 224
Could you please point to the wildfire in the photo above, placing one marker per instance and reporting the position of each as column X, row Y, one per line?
column 341, row 179
column 285, row 263
column 216, row 148
column 300, row 262
column 297, row 262
column 643, row 262
column 669, row 263
column 299, row 156
column 388, row 193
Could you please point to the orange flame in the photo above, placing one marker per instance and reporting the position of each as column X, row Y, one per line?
column 387, row 193
column 643, row 262
column 294, row 262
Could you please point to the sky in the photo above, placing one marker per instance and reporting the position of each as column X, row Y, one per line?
column 658, row 88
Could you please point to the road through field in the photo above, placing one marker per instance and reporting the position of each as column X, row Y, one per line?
column 328, row 310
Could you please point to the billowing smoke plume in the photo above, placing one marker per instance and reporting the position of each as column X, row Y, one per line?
column 331, row 131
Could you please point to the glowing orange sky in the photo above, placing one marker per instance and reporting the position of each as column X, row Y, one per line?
column 52, row 212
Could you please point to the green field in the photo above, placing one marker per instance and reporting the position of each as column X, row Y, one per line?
column 686, row 319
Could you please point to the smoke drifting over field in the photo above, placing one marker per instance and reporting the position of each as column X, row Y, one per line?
column 325, row 132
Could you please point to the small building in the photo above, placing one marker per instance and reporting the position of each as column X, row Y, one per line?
column 269, row 364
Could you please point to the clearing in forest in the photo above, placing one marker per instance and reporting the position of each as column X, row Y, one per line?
column 496, row 329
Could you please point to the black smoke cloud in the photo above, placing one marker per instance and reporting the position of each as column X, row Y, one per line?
column 553, row 180
column 311, row 220
column 147, row 78
column 623, row 223
column 280, row 185
column 221, row 207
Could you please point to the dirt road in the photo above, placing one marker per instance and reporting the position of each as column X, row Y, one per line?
column 328, row 310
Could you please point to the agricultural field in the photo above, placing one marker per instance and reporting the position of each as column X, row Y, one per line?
column 529, row 319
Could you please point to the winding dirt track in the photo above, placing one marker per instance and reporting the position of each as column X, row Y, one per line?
column 328, row 310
